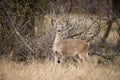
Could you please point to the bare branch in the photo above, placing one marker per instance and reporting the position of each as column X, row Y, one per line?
column 21, row 38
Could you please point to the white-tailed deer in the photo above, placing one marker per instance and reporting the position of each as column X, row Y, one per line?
column 68, row 47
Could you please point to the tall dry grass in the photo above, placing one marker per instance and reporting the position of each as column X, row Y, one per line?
column 34, row 70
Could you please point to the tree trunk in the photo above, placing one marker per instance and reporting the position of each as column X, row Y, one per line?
column 116, row 7
column 113, row 17
column 118, row 42
column 108, row 31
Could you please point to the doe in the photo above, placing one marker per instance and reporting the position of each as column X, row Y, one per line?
column 68, row 47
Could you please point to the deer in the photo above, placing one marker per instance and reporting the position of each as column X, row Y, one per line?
column 68, row 47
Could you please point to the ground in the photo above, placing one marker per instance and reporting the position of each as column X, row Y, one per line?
column 34, row 70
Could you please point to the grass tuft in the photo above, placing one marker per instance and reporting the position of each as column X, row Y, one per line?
column 10, row 70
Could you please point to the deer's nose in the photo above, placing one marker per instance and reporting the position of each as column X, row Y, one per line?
column 58, row 62
column 59, row 31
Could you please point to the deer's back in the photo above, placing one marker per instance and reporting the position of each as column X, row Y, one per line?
column 72, row 46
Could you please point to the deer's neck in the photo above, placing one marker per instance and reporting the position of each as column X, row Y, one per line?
column 58, row 38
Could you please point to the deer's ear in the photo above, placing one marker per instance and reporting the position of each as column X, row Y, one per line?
column 65, row 23
column 53, row 21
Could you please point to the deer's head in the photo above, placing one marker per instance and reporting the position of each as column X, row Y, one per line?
column 59, row 25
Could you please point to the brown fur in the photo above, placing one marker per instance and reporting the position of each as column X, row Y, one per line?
column 70, row 47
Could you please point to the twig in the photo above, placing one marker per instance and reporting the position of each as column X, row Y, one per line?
column 105, row 57
column 21, row 38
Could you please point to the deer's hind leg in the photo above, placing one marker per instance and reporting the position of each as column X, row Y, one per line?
column 83, row 58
